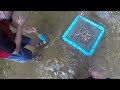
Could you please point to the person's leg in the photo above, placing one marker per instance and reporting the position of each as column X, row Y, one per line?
column 28, row 41
column 32, row 43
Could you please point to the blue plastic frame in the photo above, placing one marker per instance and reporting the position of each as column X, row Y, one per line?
column 73, row 44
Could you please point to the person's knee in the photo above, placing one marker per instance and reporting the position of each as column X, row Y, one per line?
column 8, row 14
column 26, row 54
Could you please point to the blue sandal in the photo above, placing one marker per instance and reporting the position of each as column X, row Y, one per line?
column 42, row 38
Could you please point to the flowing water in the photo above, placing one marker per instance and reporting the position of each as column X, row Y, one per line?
column 57, row 60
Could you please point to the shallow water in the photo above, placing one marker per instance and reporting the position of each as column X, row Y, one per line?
column 57, row 59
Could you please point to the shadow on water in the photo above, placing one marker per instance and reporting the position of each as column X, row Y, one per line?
column 59, row 60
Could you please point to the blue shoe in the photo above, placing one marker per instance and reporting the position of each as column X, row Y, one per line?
column 42, row 38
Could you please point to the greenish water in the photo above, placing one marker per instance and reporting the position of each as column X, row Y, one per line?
column 60, row 61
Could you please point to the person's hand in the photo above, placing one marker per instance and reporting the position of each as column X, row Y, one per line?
column 20, row 21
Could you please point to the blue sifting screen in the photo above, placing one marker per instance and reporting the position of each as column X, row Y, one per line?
column 84, row 35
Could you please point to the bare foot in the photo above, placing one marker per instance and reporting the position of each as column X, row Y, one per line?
column 95, row 74
column 37, row 58
column 39, row 45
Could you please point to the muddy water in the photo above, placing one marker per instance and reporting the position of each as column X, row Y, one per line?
column 57, row 60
